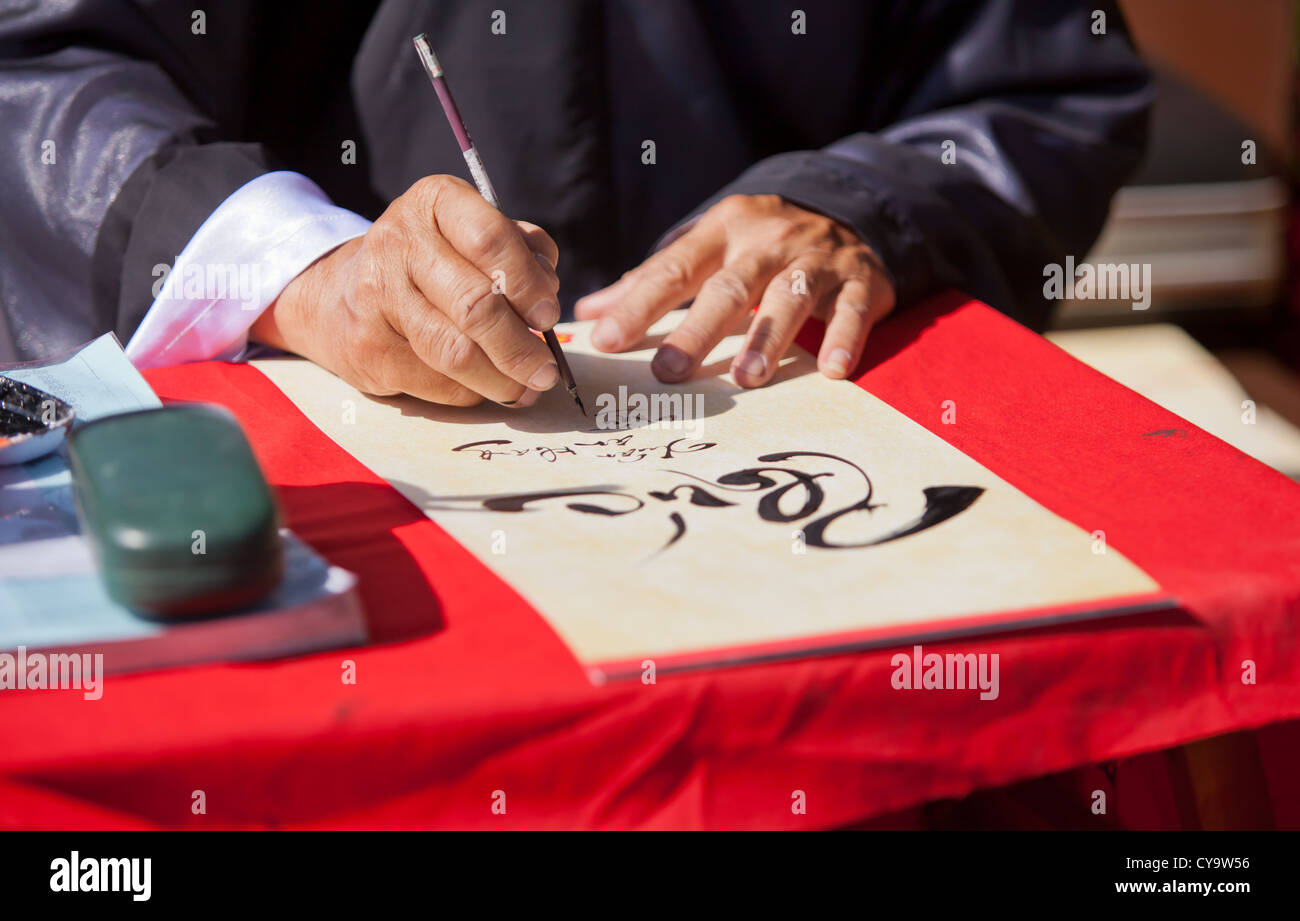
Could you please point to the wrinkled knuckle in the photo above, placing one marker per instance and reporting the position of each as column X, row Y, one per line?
column 454, row 353
column 426, row 184
column 817, row 274
column 430, row 188
column 365, row 287
column 857, row 306
column 733, row 206
column 387, row 236
column 472, row 308
column 783, row 231
column 485, row 243
column 671, row 271
column 728, row 285
column 518, row 359
column 368, row 343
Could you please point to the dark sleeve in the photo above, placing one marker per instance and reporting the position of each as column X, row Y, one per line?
column 1047, row 119
column 111, row 127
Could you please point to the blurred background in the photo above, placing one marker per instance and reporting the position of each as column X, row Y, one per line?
column 1221, row 233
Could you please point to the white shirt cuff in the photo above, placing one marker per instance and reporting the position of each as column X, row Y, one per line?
column 235, row 265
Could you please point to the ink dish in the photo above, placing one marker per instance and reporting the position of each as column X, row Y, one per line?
column 32, row 422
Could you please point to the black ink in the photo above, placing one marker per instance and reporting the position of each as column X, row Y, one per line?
column 941, row 502
column 769, row 507
column 25, row 409
column 518, row 502
column 628, row 454
column 605, row 442
column 680, row 525
column 475, row 444
column 486, row 453
column 698, row 496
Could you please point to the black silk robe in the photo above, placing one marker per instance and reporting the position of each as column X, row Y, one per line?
column 845, row 107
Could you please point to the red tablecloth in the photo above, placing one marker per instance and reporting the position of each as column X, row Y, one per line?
column 467, row 692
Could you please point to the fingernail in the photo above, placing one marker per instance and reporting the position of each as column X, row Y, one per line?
column 544, row 315
column 670, row 362
column 528, row 398
column 547, row 267
column 838, row 361
column 545, row 378
column 751, row 364
column 606, row 336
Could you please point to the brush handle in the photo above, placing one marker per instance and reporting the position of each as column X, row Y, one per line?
column 433, row 67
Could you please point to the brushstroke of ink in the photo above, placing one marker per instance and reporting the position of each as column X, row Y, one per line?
column 941, row 502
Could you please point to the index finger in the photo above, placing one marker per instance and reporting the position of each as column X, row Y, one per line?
column 495, row 245
column 469, row 299
column 666, row 280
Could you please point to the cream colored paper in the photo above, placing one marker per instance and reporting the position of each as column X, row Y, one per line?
column 615, row 588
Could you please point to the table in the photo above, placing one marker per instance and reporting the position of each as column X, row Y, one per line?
column 466, row 703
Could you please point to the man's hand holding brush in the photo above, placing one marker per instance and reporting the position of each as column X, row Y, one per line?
column 437, row 300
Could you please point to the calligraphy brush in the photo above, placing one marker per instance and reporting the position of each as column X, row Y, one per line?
column 484, row 184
